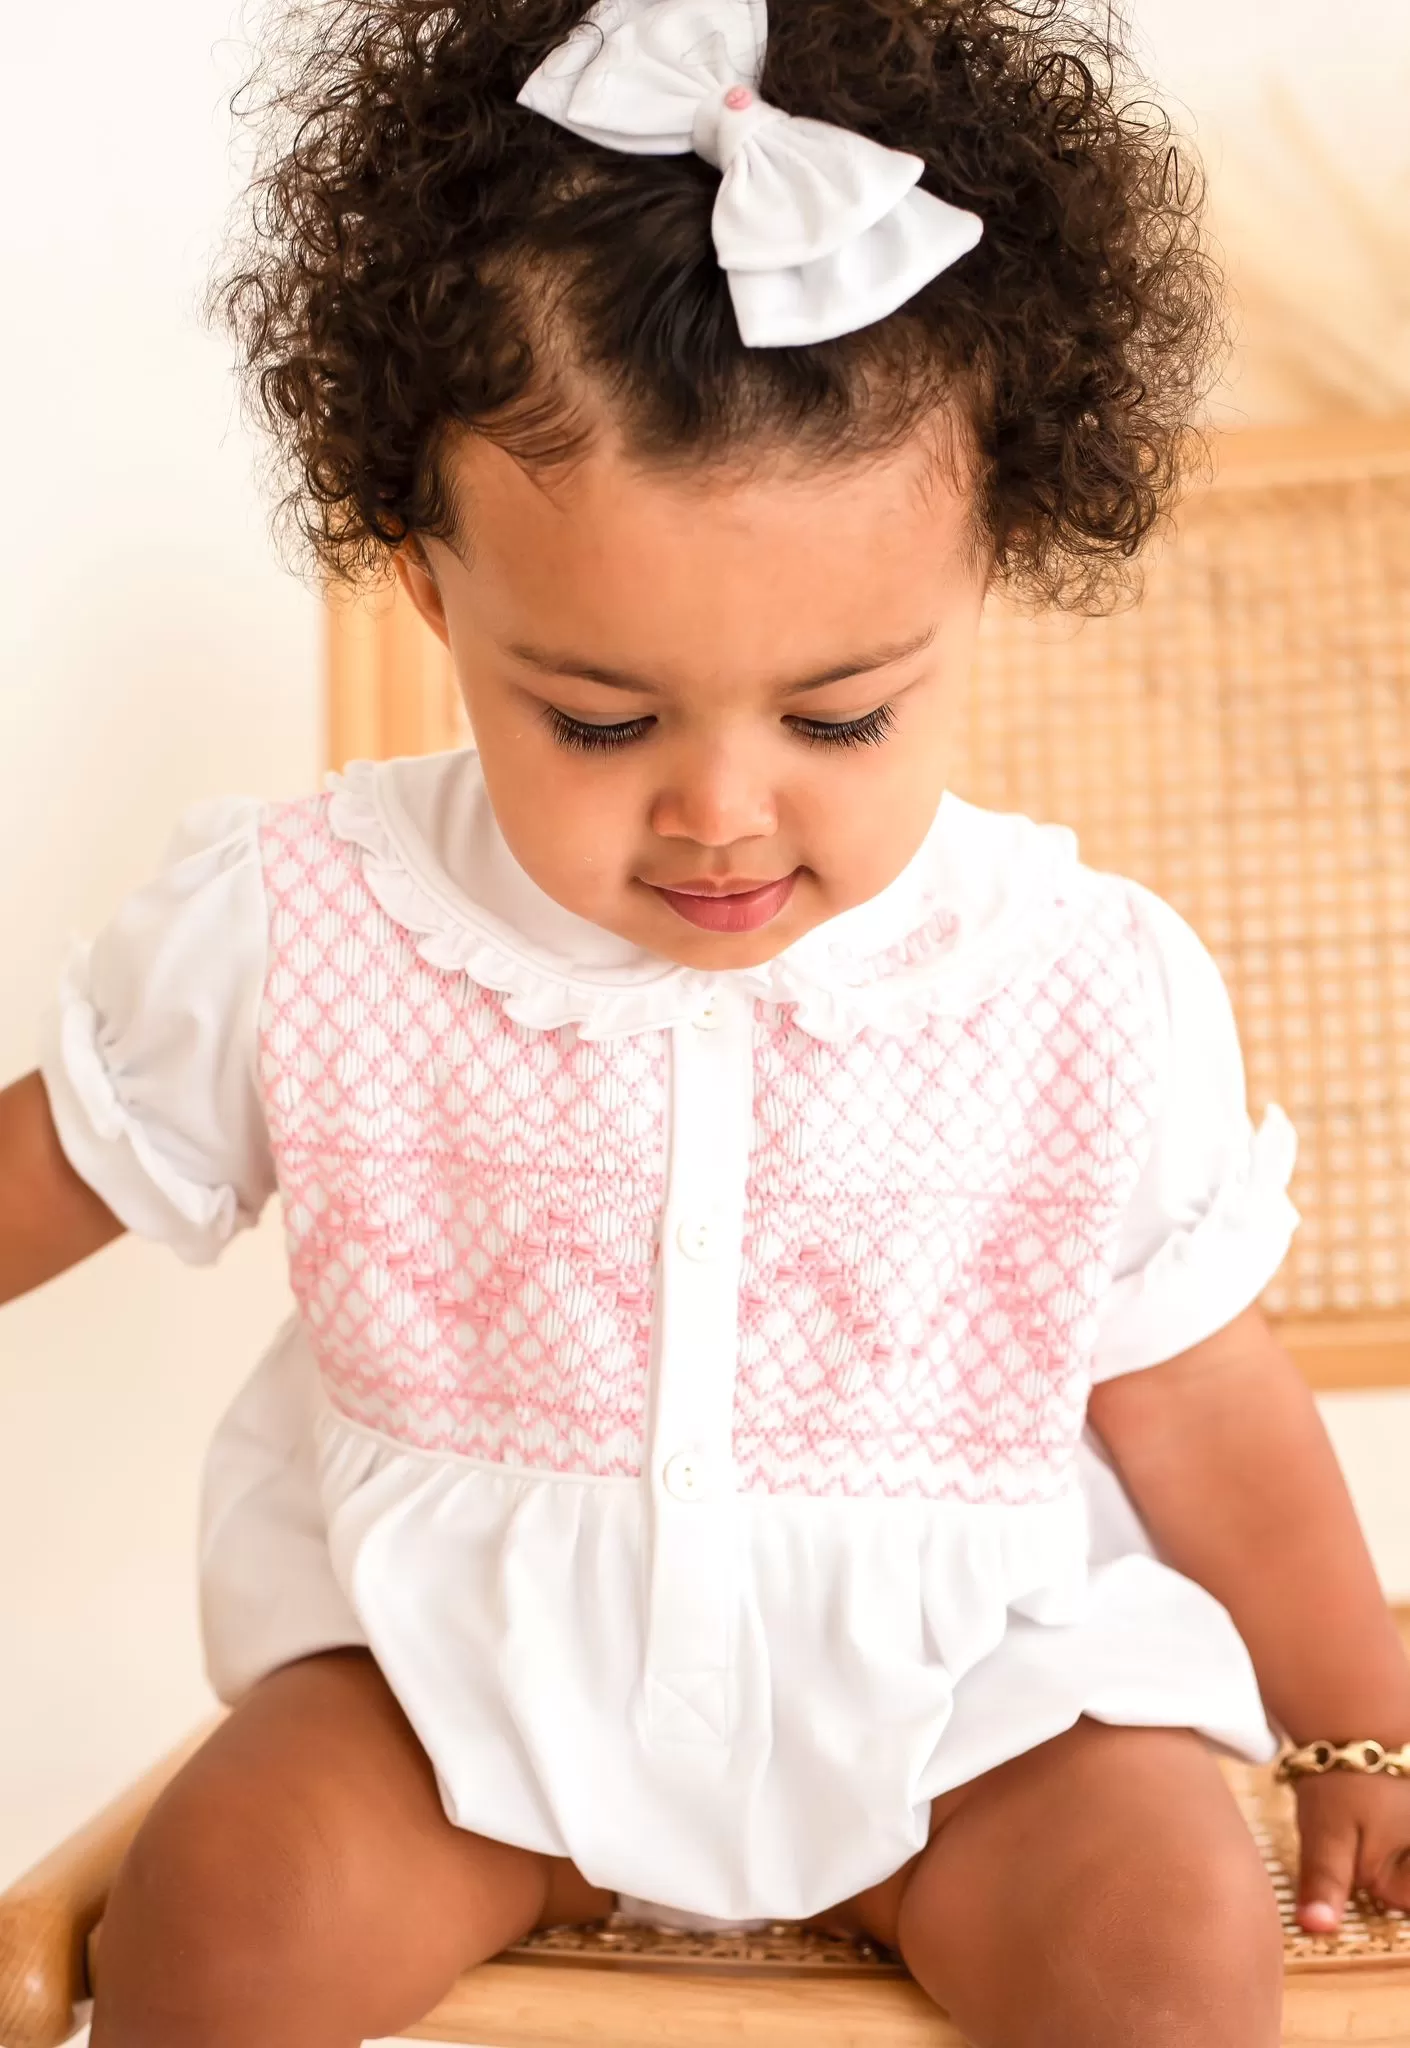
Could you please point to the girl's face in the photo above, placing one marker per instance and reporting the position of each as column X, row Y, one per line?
column 712, row 711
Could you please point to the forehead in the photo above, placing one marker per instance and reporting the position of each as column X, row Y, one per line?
column 659, row 564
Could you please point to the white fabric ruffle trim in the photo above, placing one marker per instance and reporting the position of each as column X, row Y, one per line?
column 107, row 1145
column 836, row 987
column 537, row 994
column 1205, row 1275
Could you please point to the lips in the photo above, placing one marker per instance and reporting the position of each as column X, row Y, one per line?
column 725, row 907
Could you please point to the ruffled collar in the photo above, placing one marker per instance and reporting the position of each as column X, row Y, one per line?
column 985, row 898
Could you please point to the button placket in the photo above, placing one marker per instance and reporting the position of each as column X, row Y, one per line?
column 694, row 1564
column 686, row 1475
column 710, row 1016
column 700, row 1239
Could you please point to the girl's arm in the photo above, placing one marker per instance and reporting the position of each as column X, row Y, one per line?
column 1226, row 1458
column 49, row 1218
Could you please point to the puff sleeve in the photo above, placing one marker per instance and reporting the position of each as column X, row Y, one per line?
column 150, row 1054
column 1210, row 1221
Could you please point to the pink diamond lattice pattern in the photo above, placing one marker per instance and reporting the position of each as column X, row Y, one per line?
column 932, row 1225
column 470, row 1205
column 472, row 1209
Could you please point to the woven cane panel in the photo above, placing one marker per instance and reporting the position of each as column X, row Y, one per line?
column 781, row 1949
column 1241, row 743
column 1368, row 1937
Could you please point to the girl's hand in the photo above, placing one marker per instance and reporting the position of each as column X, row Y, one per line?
column 1355, row 1832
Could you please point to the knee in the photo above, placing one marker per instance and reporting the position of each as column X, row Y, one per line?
column 1215, row 1973
column 1188, row 1955
column 1197, row 1962
column 221, row 1929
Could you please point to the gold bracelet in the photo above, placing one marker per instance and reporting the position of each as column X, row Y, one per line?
column 1315, row 1759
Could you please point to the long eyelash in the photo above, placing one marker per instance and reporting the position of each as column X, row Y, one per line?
column 869, row 731
column 593, row 739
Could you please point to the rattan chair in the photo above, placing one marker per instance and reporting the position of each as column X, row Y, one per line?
column 1242, row 743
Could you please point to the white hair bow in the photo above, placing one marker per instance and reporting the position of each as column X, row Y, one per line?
column 819, row 230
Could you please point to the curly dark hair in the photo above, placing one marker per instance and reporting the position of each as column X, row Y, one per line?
column 426, row 257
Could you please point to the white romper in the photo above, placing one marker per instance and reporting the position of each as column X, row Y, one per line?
column 685, row 1394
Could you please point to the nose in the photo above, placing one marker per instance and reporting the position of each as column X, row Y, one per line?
column 716, row 798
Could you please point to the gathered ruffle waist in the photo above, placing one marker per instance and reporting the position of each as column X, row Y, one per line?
column 875, row 1652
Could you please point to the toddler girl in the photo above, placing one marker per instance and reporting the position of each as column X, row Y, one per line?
column 723, row 1172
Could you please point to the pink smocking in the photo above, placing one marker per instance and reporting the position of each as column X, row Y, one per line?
column 932, row 1225
column 472, row 1207
column 469, row 1204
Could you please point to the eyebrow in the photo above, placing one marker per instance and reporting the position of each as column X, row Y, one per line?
column 552, row 664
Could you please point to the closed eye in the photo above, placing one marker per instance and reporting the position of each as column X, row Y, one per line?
column 593, row 739
column 867, row 731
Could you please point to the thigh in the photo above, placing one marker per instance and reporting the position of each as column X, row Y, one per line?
column 303, row 1871
column 1102, row 1891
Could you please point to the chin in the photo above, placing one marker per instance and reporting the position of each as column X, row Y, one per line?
column 718, row 952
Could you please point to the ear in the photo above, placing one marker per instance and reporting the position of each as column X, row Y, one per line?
column 418, row 581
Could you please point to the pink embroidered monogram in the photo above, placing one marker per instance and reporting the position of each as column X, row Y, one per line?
column 472, row 1208
column 938, row 932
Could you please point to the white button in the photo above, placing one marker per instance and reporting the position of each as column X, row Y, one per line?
column 698, row 1239
column 709, row 1019
column 686, row 1475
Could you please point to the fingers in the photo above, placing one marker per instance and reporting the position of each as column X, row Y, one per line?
column 1327, row 1872
column 1387, row 1877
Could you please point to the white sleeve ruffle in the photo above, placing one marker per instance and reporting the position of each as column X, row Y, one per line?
column 1210, row 1222
column 150, row 1054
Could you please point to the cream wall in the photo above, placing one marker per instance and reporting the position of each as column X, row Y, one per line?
column 1299, row 111
column 152, row 652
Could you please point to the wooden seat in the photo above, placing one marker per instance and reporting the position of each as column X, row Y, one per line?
column 790, row 1986
column 621, row 1986
column 1241, row 743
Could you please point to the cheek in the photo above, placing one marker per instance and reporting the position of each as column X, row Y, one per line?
column 568, row 819
column 875, row 801
column 868, row 818
column 873, row 837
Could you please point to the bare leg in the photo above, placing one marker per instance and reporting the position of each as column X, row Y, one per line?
column 299, row 1886
column 1100, row 1892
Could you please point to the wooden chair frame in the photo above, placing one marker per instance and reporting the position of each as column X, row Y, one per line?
column 617, row 1987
